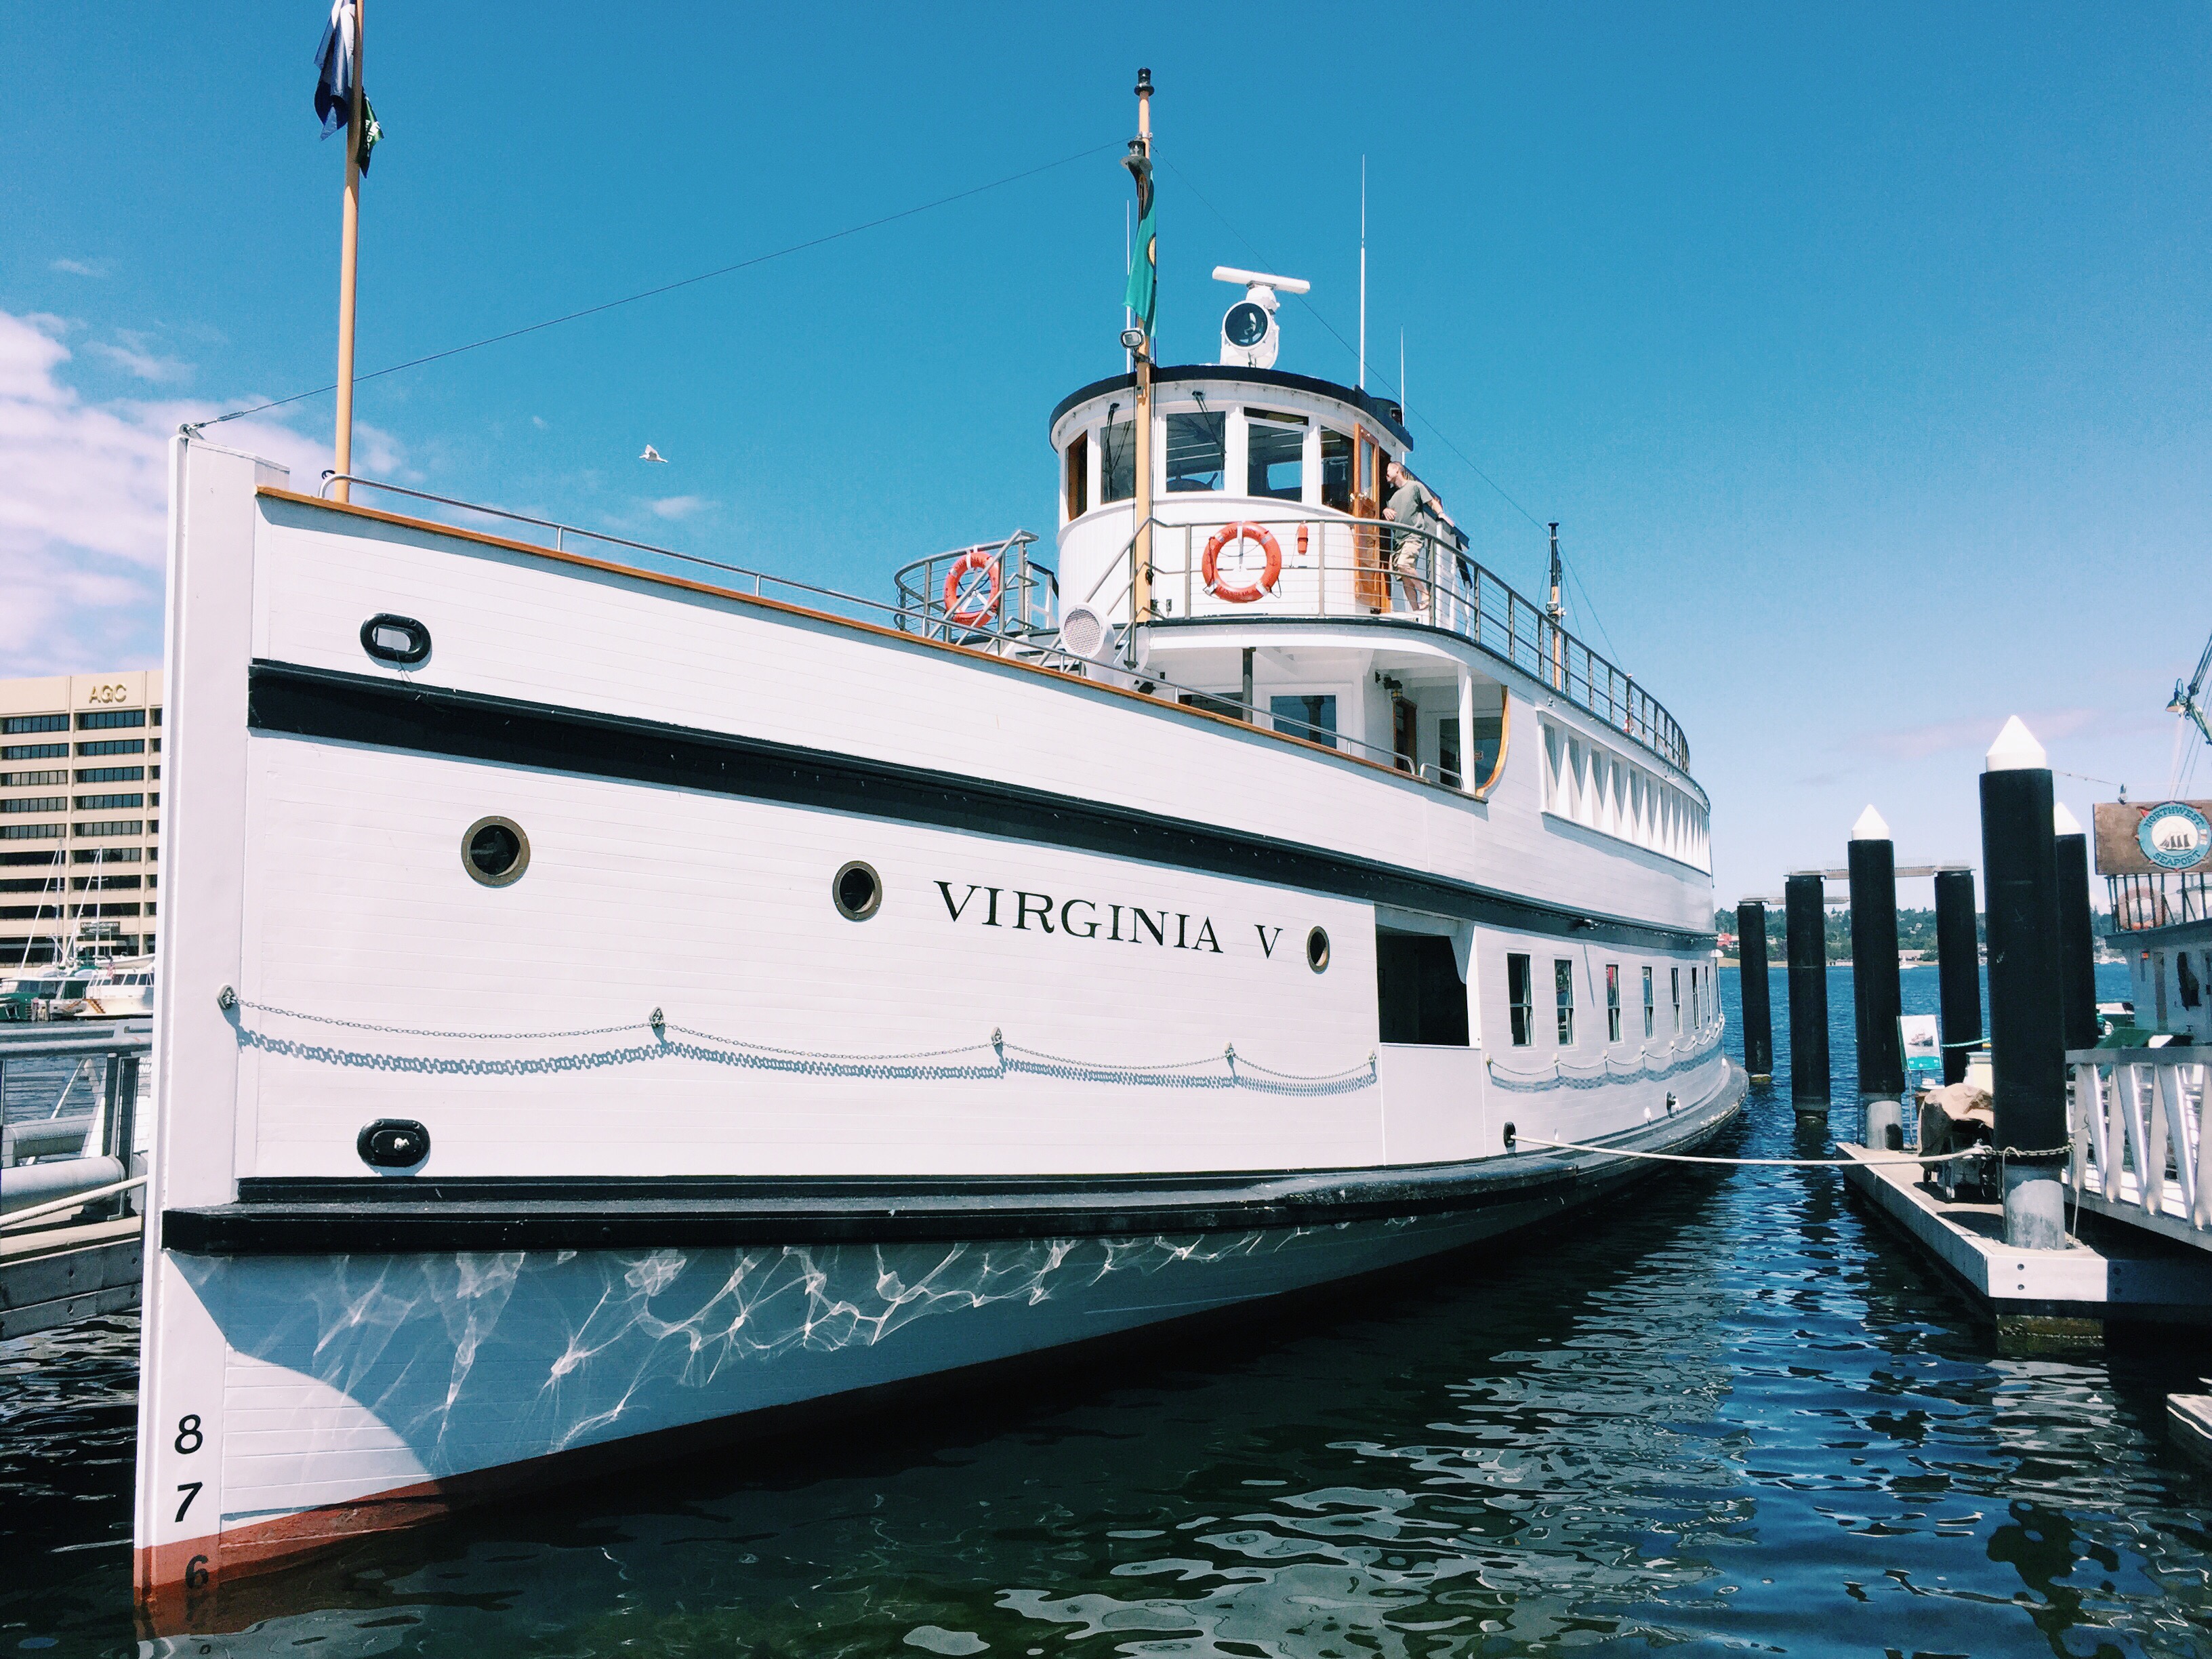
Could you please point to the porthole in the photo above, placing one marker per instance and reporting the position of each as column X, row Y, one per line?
column 392, row 639
column 1317, row 950
column 495, row 852
column 857, row 890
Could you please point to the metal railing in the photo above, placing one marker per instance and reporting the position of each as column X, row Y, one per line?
column 80, row 1158
column 998, row 637
column 991, row 591
column 2135, row 1118
column 2159, row 901
column 1342, row 567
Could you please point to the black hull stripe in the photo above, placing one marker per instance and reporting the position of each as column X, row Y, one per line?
column 312, row 702
column 308, row 1216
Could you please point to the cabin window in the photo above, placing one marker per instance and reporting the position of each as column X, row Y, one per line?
column 1521, row 997
column 1563, row 988
column 1198, row 451
column 1117, row 461
column 1078, row 475
column 1647, row 1003
column 1227, row 707
column 1275, row 455
column 1674, row 975
column 1311, row 718
column 1612, row 1002
column 1489, row 733
column 1335, row 470
column 1419, row 993
column 1448, row 751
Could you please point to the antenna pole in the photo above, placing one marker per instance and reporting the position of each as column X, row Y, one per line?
column 1362, row 382
column 1140, row 576
column 349, row 251
column 1552, row 610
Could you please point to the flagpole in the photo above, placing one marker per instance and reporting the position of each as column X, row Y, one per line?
column 349, row 250
column 1140, row 591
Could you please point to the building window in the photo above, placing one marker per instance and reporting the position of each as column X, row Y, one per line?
column 116, row 747
column 1335, row 470
column 1275, row 456
column 1078, row 478
column 111, row 827
column 15, row 724
column 1198, row 451
column 106, row 774
column 103, row 883
column 104, row 719
column 107, row 803
column 34, row 751
column 36, row 803
column 30, row 780
column 110, row 854
column 1647, row 1003
column 1563, row 986
column 30, row 832
column 1313, row 718
column 157, row 717
column 1612, row 1002
column 1117, row 461
column 1521, row 994
column 1674, row 975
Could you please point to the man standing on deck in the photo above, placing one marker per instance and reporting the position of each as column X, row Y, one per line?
column 1415, row 506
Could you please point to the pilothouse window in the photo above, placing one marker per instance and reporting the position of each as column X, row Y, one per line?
column 1275, row 453
column 1197, row 450
column 1336, row 470
column 1078, row 481
column 1117, row 461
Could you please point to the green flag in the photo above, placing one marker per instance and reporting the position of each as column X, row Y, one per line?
column 1143, row 295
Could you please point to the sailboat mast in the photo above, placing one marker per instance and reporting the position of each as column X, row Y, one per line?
column 349, row 250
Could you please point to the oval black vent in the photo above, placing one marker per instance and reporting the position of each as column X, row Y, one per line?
column 395, row 639
column 393, row 1143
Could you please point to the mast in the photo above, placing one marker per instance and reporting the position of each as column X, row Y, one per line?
column 349, row 248
column 1140, row 587
column 1552, row 609
column 1362, row 381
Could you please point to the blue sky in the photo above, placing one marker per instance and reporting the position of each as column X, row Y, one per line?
column 1865, row 356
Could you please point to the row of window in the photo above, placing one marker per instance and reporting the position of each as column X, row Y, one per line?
column 77, row 883
column 99, row 719
column 61, row 802
column 1521, row 996
column 97, row 829
column 84, row 775
column 52, row 912
column 1197, row 457
column 24, row 751
column 82, row 855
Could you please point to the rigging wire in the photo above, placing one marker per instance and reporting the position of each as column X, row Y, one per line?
column 686, row 282
column 1442, row 436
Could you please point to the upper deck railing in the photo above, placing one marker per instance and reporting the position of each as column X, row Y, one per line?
column 1343, row 567
column 1021, row 632
column 2164, row 900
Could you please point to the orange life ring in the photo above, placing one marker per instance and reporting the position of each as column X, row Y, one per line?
column 1243, row 532
column 976, row 559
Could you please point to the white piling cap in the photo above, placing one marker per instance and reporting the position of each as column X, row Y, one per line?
column 2015, row 751
column 1869, row 826
column 2063, row 822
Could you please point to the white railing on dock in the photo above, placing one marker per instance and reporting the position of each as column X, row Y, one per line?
column 2135, row 1118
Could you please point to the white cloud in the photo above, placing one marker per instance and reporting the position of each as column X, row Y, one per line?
column 132, row 358
column 82, row 267
column 537, row 421
column 679, row 507
column 84, row 504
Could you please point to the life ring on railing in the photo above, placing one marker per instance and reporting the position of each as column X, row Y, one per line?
column 976, row 559
column 1243, row 532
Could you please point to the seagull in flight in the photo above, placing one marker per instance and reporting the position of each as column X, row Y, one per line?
column 652, row 454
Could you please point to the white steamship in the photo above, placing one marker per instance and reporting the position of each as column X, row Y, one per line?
column 1222, row 907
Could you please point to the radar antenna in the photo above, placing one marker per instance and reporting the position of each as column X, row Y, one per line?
column 2186, row 698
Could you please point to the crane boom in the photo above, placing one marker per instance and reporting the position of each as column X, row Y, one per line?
column 2187, row 700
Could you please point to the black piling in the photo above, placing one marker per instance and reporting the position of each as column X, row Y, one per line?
column 2077, row 939
column 1876, row 995
column 2028, row 1041
column 1758, row 1009
column 1958, row 963
column 1806, row 899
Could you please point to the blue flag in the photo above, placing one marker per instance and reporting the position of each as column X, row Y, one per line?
column 334, row 66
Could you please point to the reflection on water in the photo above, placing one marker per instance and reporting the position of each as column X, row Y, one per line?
column 1728, row 1414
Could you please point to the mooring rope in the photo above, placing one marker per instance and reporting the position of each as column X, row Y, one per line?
column 1790, row 1163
